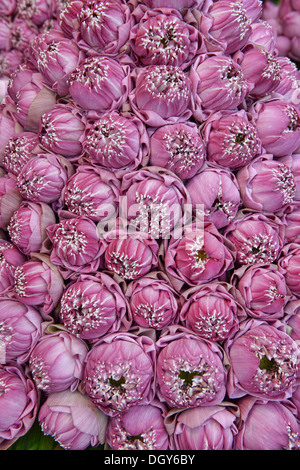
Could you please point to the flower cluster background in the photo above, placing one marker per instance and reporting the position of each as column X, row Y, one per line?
column 149, row 224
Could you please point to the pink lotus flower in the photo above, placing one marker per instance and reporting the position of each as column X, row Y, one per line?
column 7, row 7
column 104, row 26
column 179, row 148
column 62, row 129
column 263, row 289
column 232, row 139
column 190, row 371
column 155, row 200
column 8, row 123
column 27, row 226
column 292, row 225
column 68, row 17
column 140, row 428
column 257, row 237
column 20, row 148
column 76, row 245
column 9, row 61
column 162, row 95
column 93, row 306
column 293, row 163
column 37, row 282
column 264, row 361
column 213, row 311
column 153, row 303
column 21, row 328
column 292, row 320
column 19, row 403
column 211, row 427
column 283, row 137
column 100, row 84
column 162, row 37
column 43, row 177
column 178, row 4
column 266, row 184
column 72, row 420
column 92, row 192
column 36, row 10
column 57, row 362
column 289, row 265
column 289, row 76
column 216, row 191
column 10, row 259
column 5, row 35
column 259, row 417
column 23, row 32
column 119, row 372
column 10, row 199
column 262, row 35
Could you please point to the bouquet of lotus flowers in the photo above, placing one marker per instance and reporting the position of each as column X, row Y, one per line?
column 149, row 225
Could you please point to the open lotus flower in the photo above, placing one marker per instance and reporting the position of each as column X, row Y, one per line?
column 72, row 420
column 20, row 148
column 288, row 263
column 10, row 259
column 119, row 372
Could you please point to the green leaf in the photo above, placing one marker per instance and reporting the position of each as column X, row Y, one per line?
column 35, row 440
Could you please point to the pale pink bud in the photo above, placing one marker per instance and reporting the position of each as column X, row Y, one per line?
column 116, row 141
column 93, row 306
column 57, row 362
column 189, row 370
column 178, row 148
column 162, row 95
column 272, row 359
column 140, row 428
column 270, row 10
column 289, row 266
column 262, row 35
column 27, row 226
column 35, row 10
column 23, row 32
column 291, row 24
column 61, row 130
column 10, row 258
column 294, row 48
column 19, row 403
column 257, row 417
column 119, row 372
column 216, row 191
column 99, row 83
column 7, row 7
column 72, row 420
column 20, row 148
column 10, row 199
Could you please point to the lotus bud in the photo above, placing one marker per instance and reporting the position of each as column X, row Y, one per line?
column 23, row 32
column 153, row 302
column 61, row 130
column 119, row 372
column 292, row 319
column 27, row 226
column 232, row 139
column 258, row 237
column 189, row 371
column 289, row 78
column 179, row 148
column 93, row 306
column 19, row 403
column 8, row 124
column 10, row 199
column 3, row 88
column 9, row 61
column 289, row 266
column 292, row 225
column 5, row 35
column 178, row 4
column 258, row 416
column 272, row 359
column 20, row 148
column 57, row 362
column 140, row 428
column 68, row 17
column 263, row 289
column 7, row 7
column 262, row 35
column 293, row 163
column 217, row 190
column 10, row 259
column 35, row 10
column 294, row 49
column 99, row 84
column 72, row 420
column 162, row 95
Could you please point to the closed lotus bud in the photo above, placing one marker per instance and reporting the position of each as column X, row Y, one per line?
column 262, row 35
column 10, row 259
column 61, row 130
column 99, row 83
column 140, row 428
column 19, row 403
column 289, row 77
column 283, row 137
column 37, row 11
column 27, row 226
column 72, row 420
column 57, row 362
column 179, row 148
column 10, row 199
column 292, row 320
column 105, row 25
column 294, row 48
column 117, row 142
column 5, row 35
column 20, row 148
column 201, row 255
column 266, row 185
column 119, row 372
column 9, row 125
column 161, row 37
column 292, row 225
column 68, row 17
column 232, row 139
column 9, row 61
column 93, row 306
column 178, row 4
column 76, row 245
column 7, row 7
column 289, row 266
column 293, row 163
column 162, row 95
column 272, row 359
column 217, row 192
column 291, row 23
column 23, row 32
column 189, row 370
column 93, row 193
column 263, row 289
column 213, row 311
column 258, row 416
column 204, row 428
column 153, row 302
column 43, row 178
column 257, row 237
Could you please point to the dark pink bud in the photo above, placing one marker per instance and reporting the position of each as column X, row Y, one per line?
column 7, row 7
column 68, row 17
